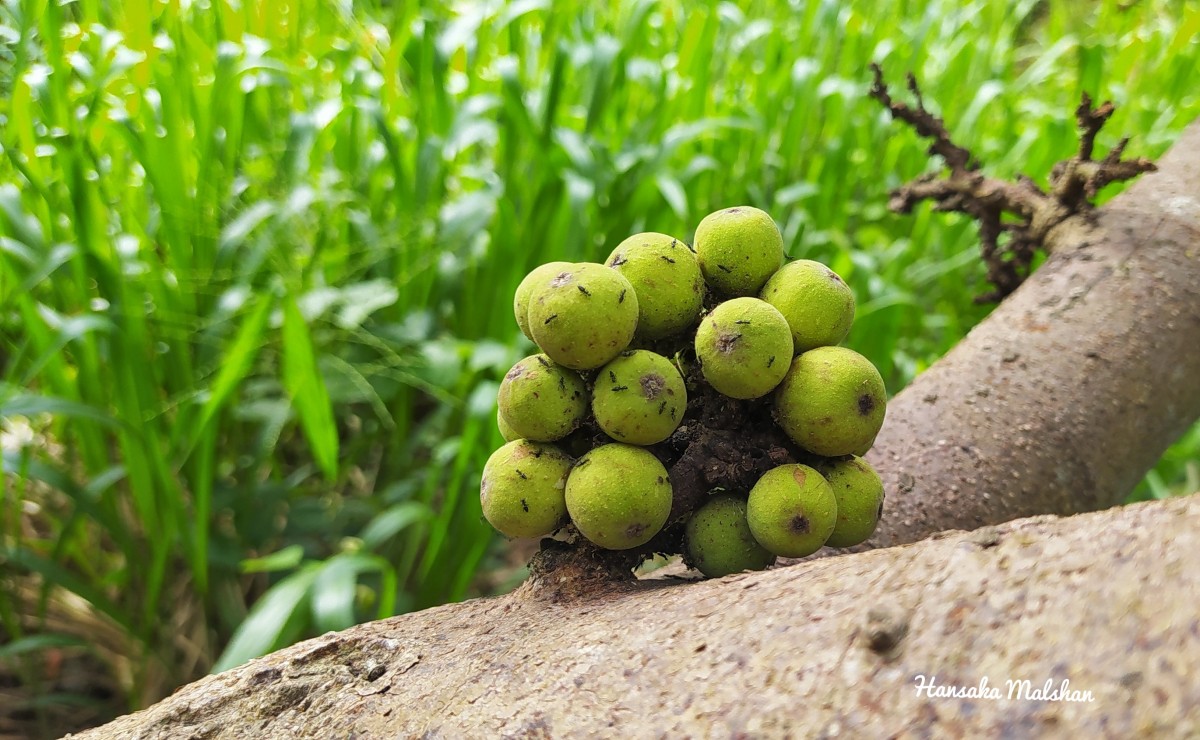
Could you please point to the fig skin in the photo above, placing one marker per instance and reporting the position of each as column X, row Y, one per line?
column 738, row 250
column 744, row 346
column 522, row 490
column 718, row 540
column 583, row 317
column 791, row 510
column 831, row 402
column 618, row 496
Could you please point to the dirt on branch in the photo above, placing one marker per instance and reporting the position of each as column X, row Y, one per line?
column 1103, row 602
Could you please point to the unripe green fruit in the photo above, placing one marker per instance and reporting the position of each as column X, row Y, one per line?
column 791, row 510
column 618, row 496
column 817, row 303
column 744, row 347
column 831, row 402
column 639, row 398
column 666, row 277
column 542, row 401
column 536, row 276
column 859, row 494
column 718, row 538
column 506, row 430
column 583, row 317
column 523, row 489
column 738, row 249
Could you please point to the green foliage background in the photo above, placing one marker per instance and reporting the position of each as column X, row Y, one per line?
column 256, row 262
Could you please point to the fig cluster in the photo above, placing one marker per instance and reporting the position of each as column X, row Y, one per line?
column 689, row 399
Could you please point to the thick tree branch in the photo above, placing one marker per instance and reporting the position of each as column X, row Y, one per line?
column 1105, row 602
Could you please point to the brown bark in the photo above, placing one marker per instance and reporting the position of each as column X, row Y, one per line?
column 1105, row 601
column 1062, row 398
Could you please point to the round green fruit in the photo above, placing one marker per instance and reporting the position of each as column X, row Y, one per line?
column 618, row 496
column 817, row 303
column 523, row 489
column 584, row 316
column 859, row 494
column 718, row 539
column 831, row 402
column 542, row 401
column 744, row 347
column 738, row 250
column 639, row 398
column 791, row 511
column 666, row 277
column 536, row 277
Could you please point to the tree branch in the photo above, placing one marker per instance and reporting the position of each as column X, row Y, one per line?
column 1092, row 600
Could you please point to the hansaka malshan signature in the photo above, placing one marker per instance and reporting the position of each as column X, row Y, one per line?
column 1014, row 690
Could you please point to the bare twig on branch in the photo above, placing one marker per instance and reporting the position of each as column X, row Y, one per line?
column 1008, row 244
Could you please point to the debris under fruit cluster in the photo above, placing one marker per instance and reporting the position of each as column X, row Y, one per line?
column 689, row 400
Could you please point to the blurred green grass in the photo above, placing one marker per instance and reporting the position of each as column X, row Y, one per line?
column 256, row 260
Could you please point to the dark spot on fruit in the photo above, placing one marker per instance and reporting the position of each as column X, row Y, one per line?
column 516, row 372
column 543, row 361
column 622, row 298
column 561, row 279
column 652, row 385
column 733, row 210
column 799, row 524
column 742, row 321
column 800, row 476
column 612, row 376
column 523, row 476
column 562, row 384
column 662, row 408
column 673, row 409
column 550, row 318
column 584, row 291
column 661, row 480
column 668, row 259
column 723, row 268
column 835, row 277
column 635, row 530
column 537, row 452
column 866, row 404
column 771, row 361
column 617, row 261
column 726, row 342
column 524, row 506
column 620, row 388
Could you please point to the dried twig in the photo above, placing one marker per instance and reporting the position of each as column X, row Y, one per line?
column 1007, row 246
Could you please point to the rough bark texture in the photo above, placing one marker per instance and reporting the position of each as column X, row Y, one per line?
column 1063, row 398
column 1105, row 601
